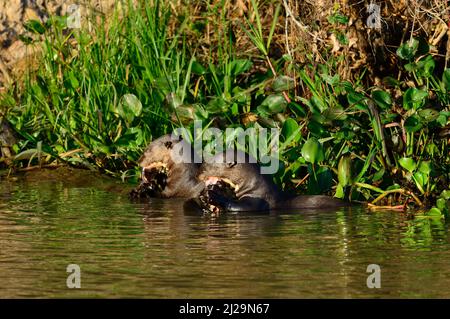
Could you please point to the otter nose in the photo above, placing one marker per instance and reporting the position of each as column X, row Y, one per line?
column 210, row 180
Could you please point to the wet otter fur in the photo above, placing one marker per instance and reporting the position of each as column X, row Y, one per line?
column 218, row 185
column 253, row 190
column 167, row 171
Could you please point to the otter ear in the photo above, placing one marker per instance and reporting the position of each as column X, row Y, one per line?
column 231, row 164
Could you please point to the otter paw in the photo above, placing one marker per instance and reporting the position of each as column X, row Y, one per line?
column 215, row 198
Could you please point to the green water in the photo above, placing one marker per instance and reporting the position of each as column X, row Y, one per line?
column 155, row 250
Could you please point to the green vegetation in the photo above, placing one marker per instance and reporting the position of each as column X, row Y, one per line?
column 97, row 99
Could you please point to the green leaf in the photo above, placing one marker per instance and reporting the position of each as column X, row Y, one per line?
column 338, row 18
column 240, row 66
column 316, row 128
column 407, row 163
column 290, row 130
column 129, row 107
column 426, row 66
column 420, row 179
column 312, row 151
column 282, row 83
column 382, row 98
column 413, row 124
column 446, row 79
column 217, row 105
column 428, row 115
column 345, row 170
column 132, row 103
column 425, row 167
column 197, row 68
column 335, row 113
column 272, row 104
column 358, row 100
column 339, row 191
column 34, row 26
column 441, row 203
column 434, row 212
column 73, row 80
column 297, row 109
column 414, row 98
column 390, row 81
column 407, row 50
column 445, row 194
column 442, row 119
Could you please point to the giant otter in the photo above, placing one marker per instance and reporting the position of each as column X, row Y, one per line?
column 168, row 170
column 252, row 191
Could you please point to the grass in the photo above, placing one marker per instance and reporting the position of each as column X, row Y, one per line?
column 97, row 99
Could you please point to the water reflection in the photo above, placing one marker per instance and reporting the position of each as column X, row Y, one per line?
column 154, row 249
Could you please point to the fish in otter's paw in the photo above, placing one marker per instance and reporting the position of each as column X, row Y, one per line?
column 252, row 190
column 168, row 170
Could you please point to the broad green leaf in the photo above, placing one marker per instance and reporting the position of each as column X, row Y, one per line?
column 441, row 203
column 445, row 194
column 413, row 124
column 426, row 66
column 358, row 100
column 407, row 163
column 290, row 130
column 420, row 180
column 345, row 170
column 382, row 98
column 335, row 113
column 407, row 50
column 312, row 151
column 428, row 115
column 129, row 107
column 197, row 68
column 425, row 167
column 132, row 103
column 434, row 212
column 316, row 128
column 414, row 98
column 272, row 104
column 282, row 83
column 217, row 105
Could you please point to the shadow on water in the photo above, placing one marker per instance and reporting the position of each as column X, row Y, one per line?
column 154, row 249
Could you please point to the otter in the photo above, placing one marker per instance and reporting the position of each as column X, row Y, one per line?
column 169, row 169
column 251, row 190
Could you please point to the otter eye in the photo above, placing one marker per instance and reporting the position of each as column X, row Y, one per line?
column 168, row 145
column 232, row 164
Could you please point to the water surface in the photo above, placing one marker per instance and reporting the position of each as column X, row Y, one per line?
column 155, row 250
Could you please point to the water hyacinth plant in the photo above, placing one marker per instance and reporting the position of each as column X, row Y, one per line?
column 97, row 98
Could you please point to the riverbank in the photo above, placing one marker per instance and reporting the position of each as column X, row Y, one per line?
column 363, row 111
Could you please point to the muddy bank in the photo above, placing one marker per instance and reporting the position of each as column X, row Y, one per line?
column 15, row 56
column 71, row 177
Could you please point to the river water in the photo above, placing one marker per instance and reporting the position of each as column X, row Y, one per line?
column 156, row 250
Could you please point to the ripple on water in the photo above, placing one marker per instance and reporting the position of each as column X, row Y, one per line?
column 154, row 250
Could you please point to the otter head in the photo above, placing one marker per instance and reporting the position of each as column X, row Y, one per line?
column 235, row 168
column 168, row 167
